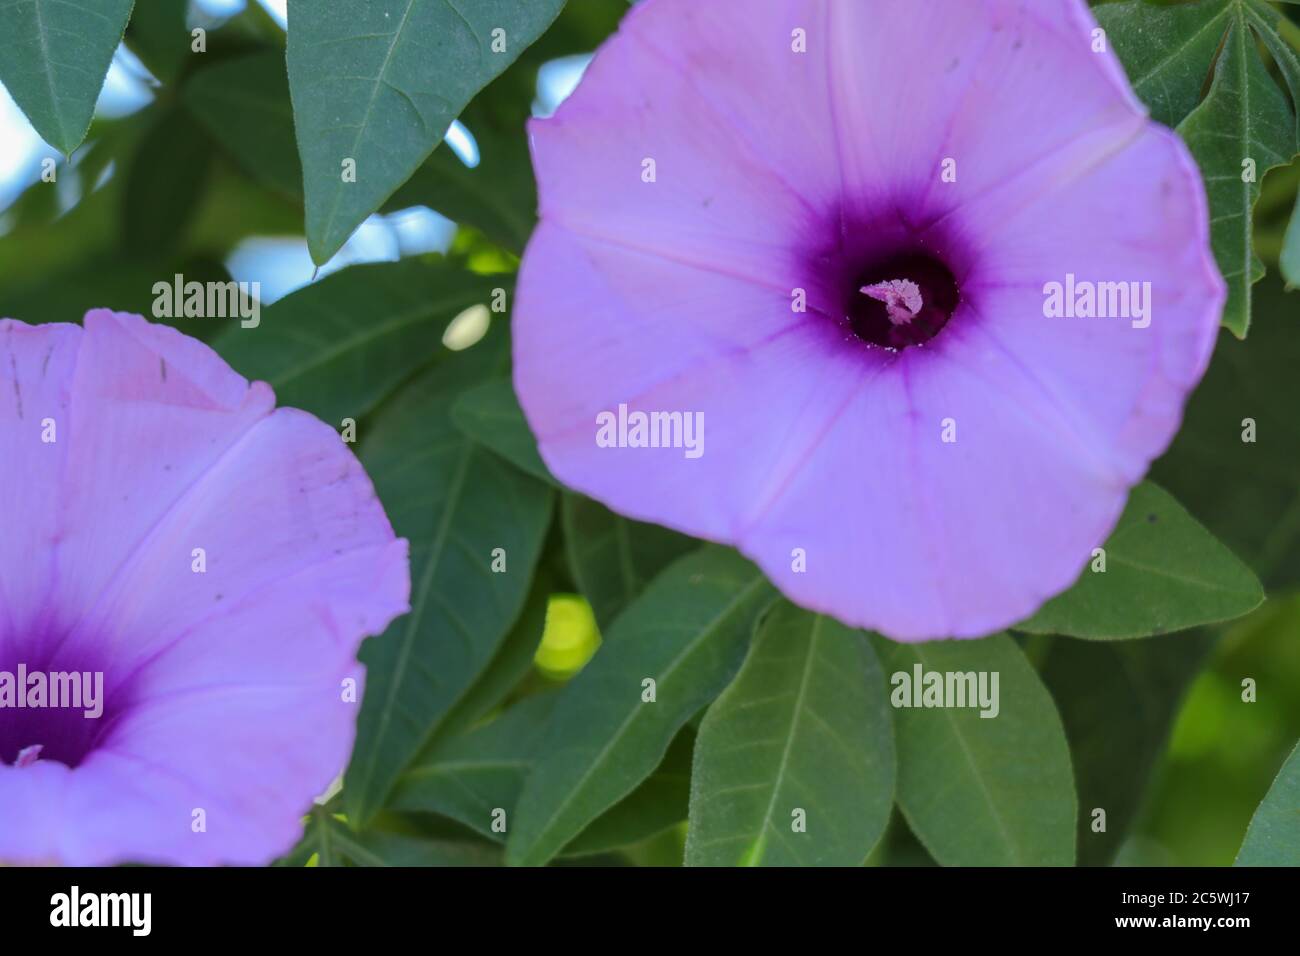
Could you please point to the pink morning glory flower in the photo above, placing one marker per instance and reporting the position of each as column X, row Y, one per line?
column 210, row 562
column 936, row 284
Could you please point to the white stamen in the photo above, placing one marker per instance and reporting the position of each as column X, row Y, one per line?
column 29, row 755
column 902, row 298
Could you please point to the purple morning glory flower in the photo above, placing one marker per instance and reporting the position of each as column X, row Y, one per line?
column 211, row 562
column 935, row 283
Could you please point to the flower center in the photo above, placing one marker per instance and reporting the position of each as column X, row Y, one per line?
column 53, row 712
column 903, row 301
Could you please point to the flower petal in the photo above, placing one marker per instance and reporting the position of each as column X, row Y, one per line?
column 1128, row 220
column 287, row 497
column 222, row 562
column 660, row 336
column 829, row 447
column 715, row 200
column 36, row 364
column 152, row 411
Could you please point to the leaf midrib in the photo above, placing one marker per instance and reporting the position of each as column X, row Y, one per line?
column 436, row 550
column 484, row 765
column 365, row 117
column 395, row 323
column 1182, row 48
column 1007, row 837
column 796, row 715
column 48, row 69
column 1201, row 584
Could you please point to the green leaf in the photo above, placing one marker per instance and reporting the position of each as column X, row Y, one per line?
column 1163, row 572
column 613, row 558
column 660, row 802
column 803, row 729
column 54, row 58
column 1270, row 25
column 490, row 414
column 165, row 184
column 1118, row 701
column 1244, row 116
column 236, row 208
column 380, row 83
column 250, row 94
column 687, row 632
column 512, row 663
column 160, row 37
column 457, row 504
column 498, row 196
column 983, row 791
column 580, row 28
column 1273, row 838
column 115, row 280
column 336, row 845
column 44, row 242
column 381, row 848
column 1167, row 51
column 469, row 778
column 1289, row 259
column 1247, row 492
column 322, row 348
